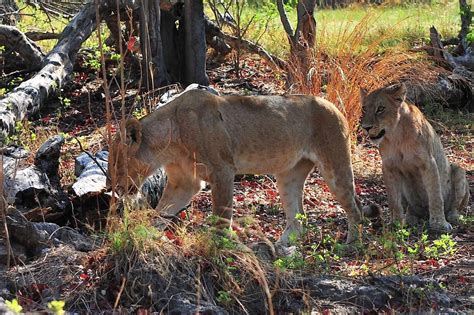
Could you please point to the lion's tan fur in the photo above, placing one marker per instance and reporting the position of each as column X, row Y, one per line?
column 420, row 181
column 201, row 136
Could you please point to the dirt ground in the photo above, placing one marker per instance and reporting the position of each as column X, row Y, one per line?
column 187, row 274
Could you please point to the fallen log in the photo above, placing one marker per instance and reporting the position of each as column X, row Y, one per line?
column 462, row 79
column 36, row 236
column 91, row 180
column 26, row 99
column 91, row 177
column 14, row 40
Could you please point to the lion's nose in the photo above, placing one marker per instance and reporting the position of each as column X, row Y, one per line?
column 367, row 128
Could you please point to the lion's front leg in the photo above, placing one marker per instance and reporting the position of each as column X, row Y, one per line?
column 431, row 180
column 222, row 188
column 393, row 184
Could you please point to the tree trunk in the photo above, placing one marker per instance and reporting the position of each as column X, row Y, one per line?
column 153, row 65
column 195, row 43
column 305, row 34
column 27, row 98
column 302, row 40
column 466, row 20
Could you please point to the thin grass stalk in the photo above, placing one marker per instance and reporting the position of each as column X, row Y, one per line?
column 108, row 114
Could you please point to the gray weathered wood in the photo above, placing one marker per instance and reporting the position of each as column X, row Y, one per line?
column 27, row 98
column 91, row 179
column 15, row 40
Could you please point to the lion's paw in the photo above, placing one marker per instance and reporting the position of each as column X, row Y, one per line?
column 440, row 226
column 453, row 217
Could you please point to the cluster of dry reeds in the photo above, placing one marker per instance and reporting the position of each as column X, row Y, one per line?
column 338, row 71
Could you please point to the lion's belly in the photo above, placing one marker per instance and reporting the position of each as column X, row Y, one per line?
column 267, row 161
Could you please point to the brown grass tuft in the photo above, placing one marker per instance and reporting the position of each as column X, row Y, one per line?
column 336, row 72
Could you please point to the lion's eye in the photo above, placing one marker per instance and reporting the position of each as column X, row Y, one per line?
column 380, row 110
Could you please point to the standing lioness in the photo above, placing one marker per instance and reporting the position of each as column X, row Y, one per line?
column 201, row 136
column 419, row 178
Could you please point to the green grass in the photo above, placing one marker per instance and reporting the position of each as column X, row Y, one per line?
column 34, row 19
column 401, row 24
column 407, row 24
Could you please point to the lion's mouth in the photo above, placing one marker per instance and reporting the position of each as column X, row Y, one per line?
column 379, row 136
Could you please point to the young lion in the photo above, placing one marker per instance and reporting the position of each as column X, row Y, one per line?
column 418, row 176
column 201, row 136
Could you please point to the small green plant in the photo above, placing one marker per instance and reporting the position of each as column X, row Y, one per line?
column 14, row 306
column 470, row 36
column 444, row 246
column 293, row 262
column 226, row 241
column 57, row 307
column 224, row 297
column 139, row 112
column 24, row 134
column 115, row 57
column 328, row 251
column 66, row 102
column 133, row 234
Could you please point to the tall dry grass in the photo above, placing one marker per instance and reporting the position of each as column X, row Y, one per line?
column 337, row 72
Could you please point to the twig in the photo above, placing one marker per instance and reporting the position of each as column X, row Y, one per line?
column 117, row 299
column 3, row 210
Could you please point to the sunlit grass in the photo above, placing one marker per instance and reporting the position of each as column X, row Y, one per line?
column 404, row 24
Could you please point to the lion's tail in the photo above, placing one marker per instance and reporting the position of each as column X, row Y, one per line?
column 370, row 211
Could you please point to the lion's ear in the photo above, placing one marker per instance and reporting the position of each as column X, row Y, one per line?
column 133, row 132
column 363, row 94
column 397, row 92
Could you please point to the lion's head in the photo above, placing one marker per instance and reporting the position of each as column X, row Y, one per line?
column 381, row 110
column 125, row 163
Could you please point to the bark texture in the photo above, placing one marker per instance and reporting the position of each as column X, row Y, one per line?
column 14, row 40
column 153, row 65
column 26, row 99
column 305, row 34
column 195, row 43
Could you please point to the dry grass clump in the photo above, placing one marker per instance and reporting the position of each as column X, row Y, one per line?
column 154, row 270
column 336, row 72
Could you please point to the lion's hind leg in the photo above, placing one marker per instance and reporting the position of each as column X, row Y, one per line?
column 290, row 186
column 337, row 173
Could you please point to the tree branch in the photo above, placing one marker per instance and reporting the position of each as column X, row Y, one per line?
column 27, row 98
column 11, row 37
column 213, row 31
column 284, row 19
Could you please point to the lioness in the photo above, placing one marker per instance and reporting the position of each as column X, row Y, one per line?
column 419, row 178
column 200, row 136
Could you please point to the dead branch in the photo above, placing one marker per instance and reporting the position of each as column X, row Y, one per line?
column 17, row 41
column 27, row 98
column 284, row 19
column 36, row 36
column 213, row 31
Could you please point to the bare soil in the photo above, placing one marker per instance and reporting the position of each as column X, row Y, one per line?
column 182, row 276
